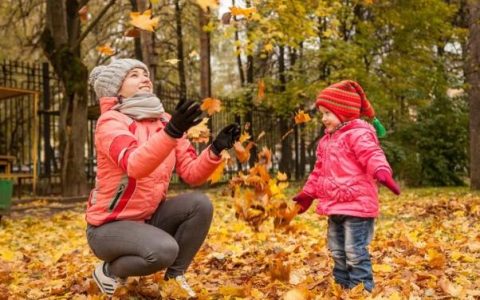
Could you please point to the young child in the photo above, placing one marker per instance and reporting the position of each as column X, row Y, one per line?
column 349, row 162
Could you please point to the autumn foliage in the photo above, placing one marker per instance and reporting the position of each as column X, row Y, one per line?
column 426, row 245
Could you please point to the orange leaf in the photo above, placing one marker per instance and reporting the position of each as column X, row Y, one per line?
column 106, row 50
column 144, row 21
column 242, row 153
column 265, row 157
column 218, row 173
column 302, row 117
column 238, row 11
column 261, row 89
column 132, row 32
column 211, row 105
column 244, row 137
column 83, row 13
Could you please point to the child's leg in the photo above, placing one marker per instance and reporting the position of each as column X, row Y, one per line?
column 187, row 218
column 358, row 235
column 336, row 245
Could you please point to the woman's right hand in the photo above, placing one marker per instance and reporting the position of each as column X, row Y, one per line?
column 186, row 115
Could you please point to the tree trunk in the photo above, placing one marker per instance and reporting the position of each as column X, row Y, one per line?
column 285, row 122
column 473, row 80
column 180, row 55
column 61, row 32
column 205, row 69
column 147, row 42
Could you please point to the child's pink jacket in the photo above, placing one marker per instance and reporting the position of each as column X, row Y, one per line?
column 343, row 177
column 135, row 160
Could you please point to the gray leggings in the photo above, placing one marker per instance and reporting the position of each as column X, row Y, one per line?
column 170, row 239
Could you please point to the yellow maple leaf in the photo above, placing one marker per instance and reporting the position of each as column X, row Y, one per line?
column 211, row 106
column 205, row 4
column 244, row 137
column 281, row 176
column 238, row 11
column 106, row 50
column 199, row 133
column 302, row 117
column 218, row 173
column 382, row 268
column 144, row 21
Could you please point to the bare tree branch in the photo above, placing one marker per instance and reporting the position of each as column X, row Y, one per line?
column 93, row 24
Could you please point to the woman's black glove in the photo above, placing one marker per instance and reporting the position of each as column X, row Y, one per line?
column 185, row 116
column 226, row 138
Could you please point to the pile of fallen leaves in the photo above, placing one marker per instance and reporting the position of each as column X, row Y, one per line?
column 426, row 245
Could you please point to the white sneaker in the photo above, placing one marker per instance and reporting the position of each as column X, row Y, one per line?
column 182, row 282
column 107, row 284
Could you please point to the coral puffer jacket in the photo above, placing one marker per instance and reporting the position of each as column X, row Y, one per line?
column 343, row 177
column 135, row 160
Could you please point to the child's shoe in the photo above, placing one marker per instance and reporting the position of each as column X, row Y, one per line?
column 182, row 282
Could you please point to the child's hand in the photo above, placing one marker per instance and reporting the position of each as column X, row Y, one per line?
column 385, row 178
column 303, row 200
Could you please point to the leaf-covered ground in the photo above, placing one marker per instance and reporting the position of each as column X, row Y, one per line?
column 426, row 245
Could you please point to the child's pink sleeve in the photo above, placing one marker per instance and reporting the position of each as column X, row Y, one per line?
column 369, row 154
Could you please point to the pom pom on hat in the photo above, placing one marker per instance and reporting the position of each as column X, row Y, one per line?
column 107, row 80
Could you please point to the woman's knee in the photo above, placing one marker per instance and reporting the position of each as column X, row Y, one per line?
column 162, row 254
column 202, row 203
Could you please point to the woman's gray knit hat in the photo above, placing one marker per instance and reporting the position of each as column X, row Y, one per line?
column 107, row 80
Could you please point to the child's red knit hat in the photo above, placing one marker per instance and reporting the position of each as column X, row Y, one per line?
column 347, row 100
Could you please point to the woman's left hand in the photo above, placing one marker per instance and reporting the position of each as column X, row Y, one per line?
column 226, row 138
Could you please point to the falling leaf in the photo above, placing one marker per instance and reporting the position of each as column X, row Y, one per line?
column 262, row 134
column 302, row 117
column 244, row 137
column 265, row 156
column 172, row 61
column 211, row 106
column 193, row 54
column 83, row 13
column 106, row 50
column 279, row 270
column 199, row 133
column 218, row 173
column 242, row 153
column 287, row 134
column 154, row 2
column 144, row 21
column 132, row 32
column 238, row 11
column 281, row 176
column 261, row 90
column 206, row 4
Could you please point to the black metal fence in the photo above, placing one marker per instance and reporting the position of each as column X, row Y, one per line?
column 15, row 124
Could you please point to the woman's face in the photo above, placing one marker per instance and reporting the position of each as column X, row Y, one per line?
column 329, row 119
column 136, row 80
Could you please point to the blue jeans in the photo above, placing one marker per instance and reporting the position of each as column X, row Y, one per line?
column 348, row 238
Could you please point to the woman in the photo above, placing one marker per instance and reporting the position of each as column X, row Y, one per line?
column 132, row 226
